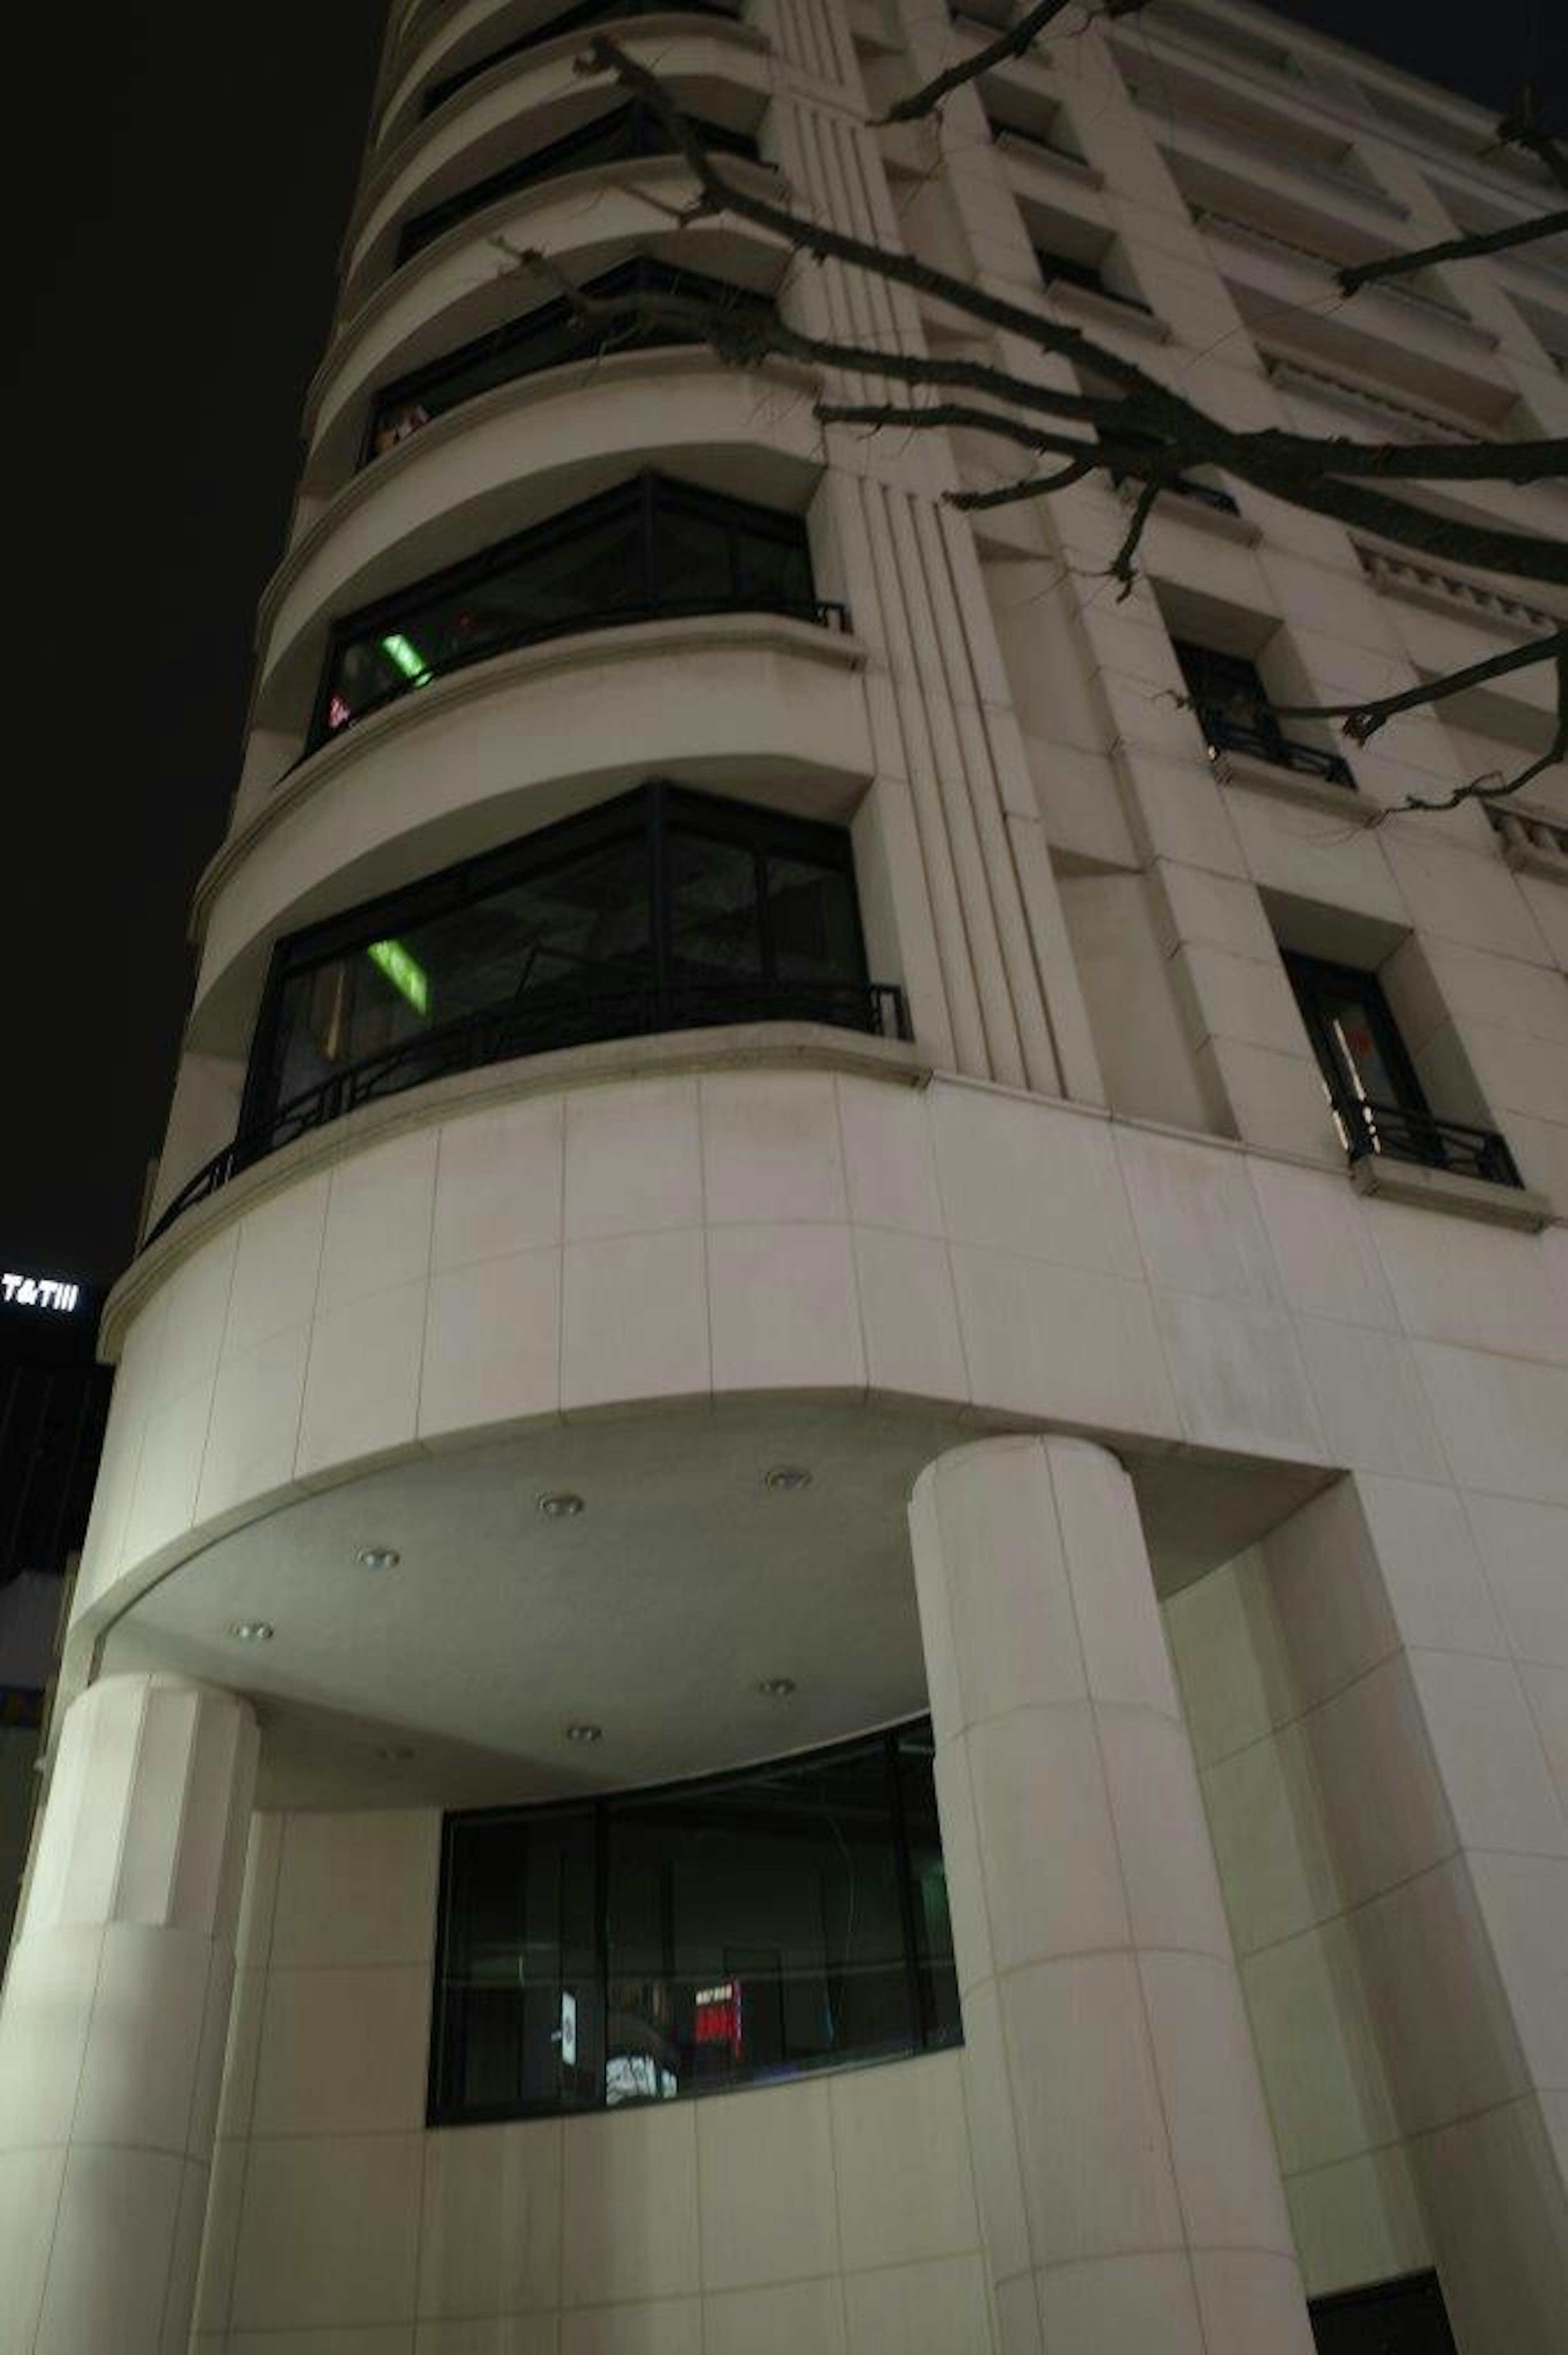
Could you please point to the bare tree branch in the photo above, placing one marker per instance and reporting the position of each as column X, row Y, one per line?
column 1362, row 720
column 1011, row 44
column 1521, row 129
column 1454, row 249
column 1479, row 789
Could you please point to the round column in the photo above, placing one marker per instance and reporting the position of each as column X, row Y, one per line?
column 114, row 2018
column 1129, row 2191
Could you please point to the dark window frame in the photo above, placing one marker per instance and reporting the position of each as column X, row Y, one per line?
column 618, row 133
column 1236, row 712
column 1419, row 2294
column 567, row 20
column 656, row 811
column 440, row 2111
column 1311, row 978
column 641, row 273
column 645, row 497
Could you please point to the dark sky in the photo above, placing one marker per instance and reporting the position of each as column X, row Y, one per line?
column 172, row 230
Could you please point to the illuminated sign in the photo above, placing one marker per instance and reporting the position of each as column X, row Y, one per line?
column 406, row 973
column 716, row 2019
column 401, row 651
column 39, row 1292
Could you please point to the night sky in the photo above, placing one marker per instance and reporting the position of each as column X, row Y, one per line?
column 172, row 253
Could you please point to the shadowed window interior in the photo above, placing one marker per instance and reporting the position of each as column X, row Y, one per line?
column 652, row 548
column 751, row 1928
column 1234, row 708
column 1396, row 2317
column 624, row 132
column 549, row 336
column 661, row 910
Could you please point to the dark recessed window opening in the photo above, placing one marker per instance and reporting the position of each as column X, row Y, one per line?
column 747, row 1930
column 1396, row 2317
column 550, row 337
column 1065, row 270
column 1378, row 1103
column 570, row 20
column 1232, row 707
column 626, row 131
column 662, row 910
column 650, row 549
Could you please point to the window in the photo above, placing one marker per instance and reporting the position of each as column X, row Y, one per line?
column 1232, row 707
column 1065, row 270
column 571, row 20
column 547, row 338
column 650, row 548
column 626, row 131
column 751, row 1928
column 1376, row 1099
column 662, row 910
column 1397, row 2317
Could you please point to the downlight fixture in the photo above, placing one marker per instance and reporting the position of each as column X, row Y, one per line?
column 559, row 1505
column 379, row 1558
column 786, row 1478
column 251, row 1631
column 584, row 1733
column 776, row 1687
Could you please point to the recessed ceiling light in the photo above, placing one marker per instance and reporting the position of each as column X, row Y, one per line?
column 584, row 1733
column 777, row 1688
column 250, row 1631
column 378, row 1557
column 559, row 1505
column 787, row 1477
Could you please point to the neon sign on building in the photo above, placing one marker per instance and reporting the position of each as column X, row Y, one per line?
column 51, row 1292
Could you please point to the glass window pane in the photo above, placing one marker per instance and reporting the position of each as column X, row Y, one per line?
column 773, row 570
column 715, row 932
column 692, row 564
column 755, row 1930
column 520, row 2025
column 814, row 925
column 938, row 1974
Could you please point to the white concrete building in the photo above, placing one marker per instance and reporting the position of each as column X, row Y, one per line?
column 744, row 1000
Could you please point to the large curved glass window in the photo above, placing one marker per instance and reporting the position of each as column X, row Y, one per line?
column 647, row 550
column 547, row 338
column 570, row 20
column 720, row 1934
column 661, row 910
column 626, row 131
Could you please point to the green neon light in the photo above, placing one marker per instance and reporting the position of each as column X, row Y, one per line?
column 405, row 973
column 407, row 657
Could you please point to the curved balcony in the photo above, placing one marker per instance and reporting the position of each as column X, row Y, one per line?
column 662, row 911
column 553, row 335
column 569, row 20
column 651, row 549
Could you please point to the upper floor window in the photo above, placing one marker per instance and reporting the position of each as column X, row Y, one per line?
column 661, row 910
column 547, row 338
column 1395, row 2317
column 569, row 20
column 1232, row 706
column 626, row 131
column 1068, row 270
column 756, row 1928
column 652, row 548
column 1378, row 1103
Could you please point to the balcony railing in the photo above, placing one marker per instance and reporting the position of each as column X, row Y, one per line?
column 1399, row 1132
column 1227, row 733
column 503, row 1034
column 628, row 130
column 570, row 20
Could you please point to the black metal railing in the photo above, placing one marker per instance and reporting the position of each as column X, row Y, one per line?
column 505, row 1034
column 570, row 20
column 1401, row 1132
column 550, row 336
column 630, row 131
column 1227, row 732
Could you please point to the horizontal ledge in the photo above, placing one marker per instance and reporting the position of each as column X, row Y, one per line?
column 1107, row 308
column 1447, row 1189
column 1290, row 785
column 773, row 634
column 741, row 1046
column 521, row 392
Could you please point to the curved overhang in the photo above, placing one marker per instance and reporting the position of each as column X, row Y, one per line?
column 508, row 460
column 756, row 706
column 720, row 73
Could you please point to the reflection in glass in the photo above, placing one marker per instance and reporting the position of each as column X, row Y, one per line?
column 758, row 1927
